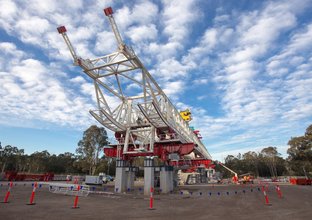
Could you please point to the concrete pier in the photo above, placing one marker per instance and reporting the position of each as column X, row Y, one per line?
column 203, row 174
column 130, row 172
column 125, row 174
column 149, row 175
column 166, row 179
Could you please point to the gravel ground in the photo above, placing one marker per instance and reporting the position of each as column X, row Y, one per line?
column 196, row 201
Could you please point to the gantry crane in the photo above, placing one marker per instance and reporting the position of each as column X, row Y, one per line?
column 143, row 118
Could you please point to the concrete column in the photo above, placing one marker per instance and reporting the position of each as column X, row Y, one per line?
column 148, row 175
column 166, row 179
column 211, row 172
column 203, row 175
column 121, row 176
column 175, row 177
column 171, row 176
column 130, row 177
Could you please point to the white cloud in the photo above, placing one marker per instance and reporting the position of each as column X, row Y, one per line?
column 182, row 106
column 176, row 21
column 258, row 61
column 219, row 19
column 88, row 90
column 78, row 80
column 243, row 95
column 35, row 22
column 32, row 92
column 212, row 39
column 142, row 33
column 296, row 61
column 41, row 7
column 32, row 28
column 172, row 89
column 133, row 86
column 7, row 14
column 112, row 101
column 171, row 69
column 201, row 81
column 10, row 51
column 143, row 13
column 249, row 99
column 300, row 42
column 178, row 16
column 105, row 42
column 268, row 27
column 164, row 51
column 202, row 97
column 245, row 53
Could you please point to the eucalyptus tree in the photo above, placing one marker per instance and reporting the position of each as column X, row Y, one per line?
column 8, row 158
column 252, row 162
column 270, row 154
column 90, row 148
column 39, row 161
column 300, row 153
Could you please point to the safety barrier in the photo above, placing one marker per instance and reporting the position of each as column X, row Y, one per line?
column 77, row 190
column 90, row 188
column 83, row 190
column 69, row 189
column 300, row 181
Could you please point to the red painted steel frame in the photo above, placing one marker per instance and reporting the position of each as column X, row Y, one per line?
column 160, row 150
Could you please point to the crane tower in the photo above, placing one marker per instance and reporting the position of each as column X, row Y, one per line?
column 144, row 120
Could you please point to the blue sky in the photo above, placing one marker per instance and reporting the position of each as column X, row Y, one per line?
column 244, row 68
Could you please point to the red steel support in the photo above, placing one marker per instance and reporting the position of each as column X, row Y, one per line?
column 160, row 150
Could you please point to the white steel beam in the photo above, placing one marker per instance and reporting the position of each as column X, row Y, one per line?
column 139, row 115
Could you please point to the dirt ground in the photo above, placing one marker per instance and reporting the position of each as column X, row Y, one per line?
column 196, row 202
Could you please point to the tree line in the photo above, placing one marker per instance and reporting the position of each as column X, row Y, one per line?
column 88, row 158
column 268, row 161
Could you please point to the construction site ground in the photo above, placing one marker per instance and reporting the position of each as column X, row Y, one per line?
column 224, row 201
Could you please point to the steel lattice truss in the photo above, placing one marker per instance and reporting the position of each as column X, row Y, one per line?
column 138, row 120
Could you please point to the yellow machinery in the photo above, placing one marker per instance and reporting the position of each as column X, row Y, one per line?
column 235, row 177
column 246, row 178
column 186, row 115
